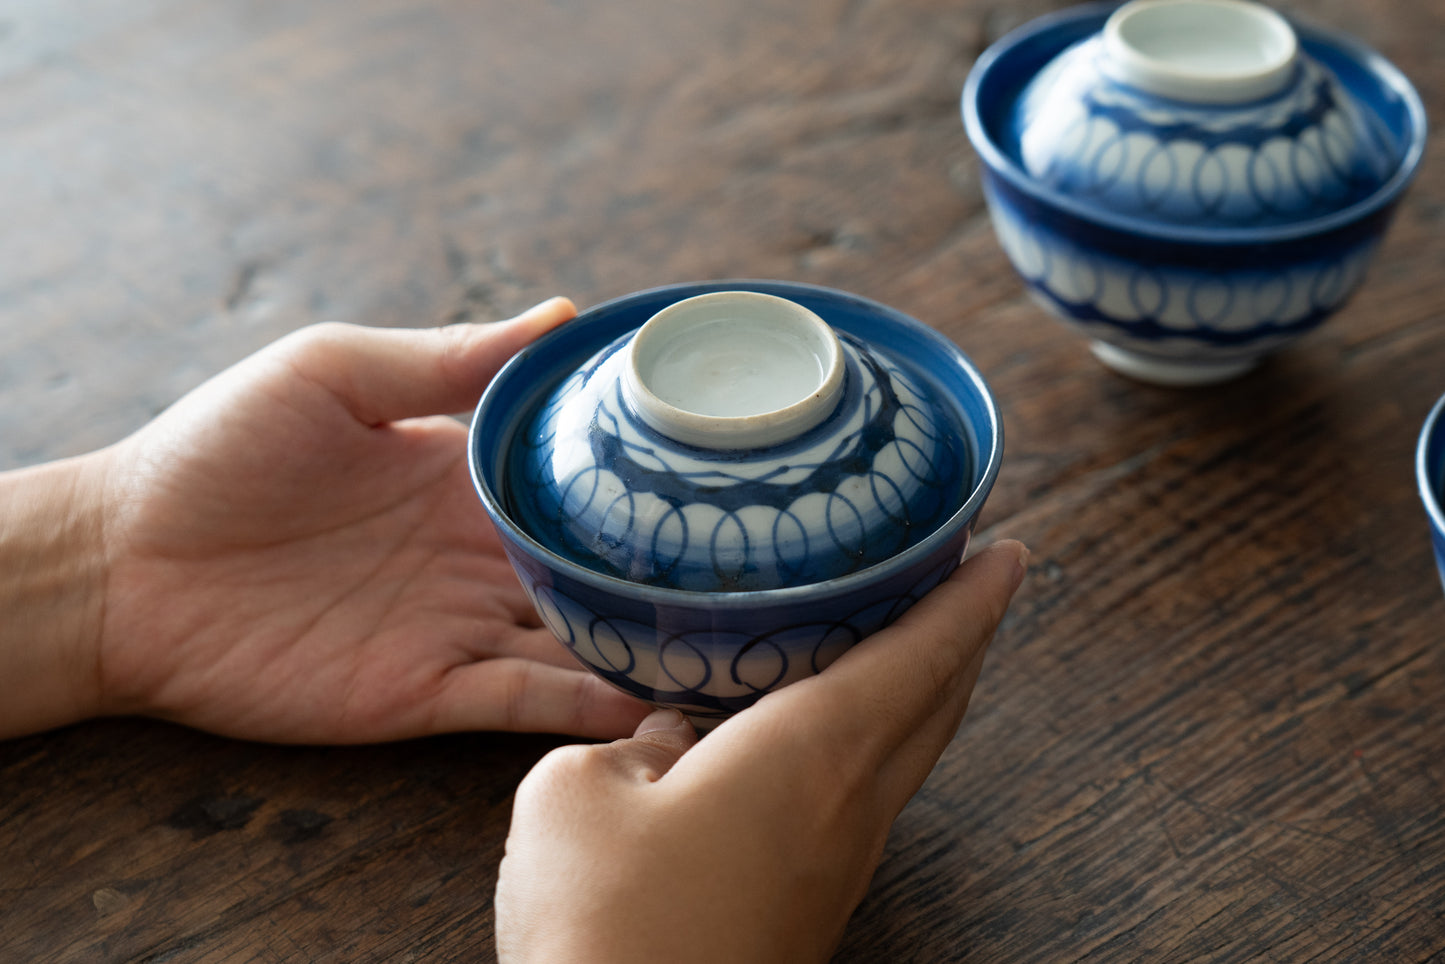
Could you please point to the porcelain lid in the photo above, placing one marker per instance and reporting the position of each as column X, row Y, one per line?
column 878, row 462
column 1199, row 113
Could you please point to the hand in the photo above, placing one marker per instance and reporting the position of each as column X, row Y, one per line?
column 757, row 843
column 296, row 553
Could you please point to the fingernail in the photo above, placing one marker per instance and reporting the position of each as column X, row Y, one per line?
column 541, row 309
column 1023, row 567
column 664, row 719
column 556, row 301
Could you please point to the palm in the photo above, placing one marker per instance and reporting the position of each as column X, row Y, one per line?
column 302, row 575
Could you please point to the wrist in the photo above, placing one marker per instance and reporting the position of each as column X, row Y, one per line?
column 52, row 594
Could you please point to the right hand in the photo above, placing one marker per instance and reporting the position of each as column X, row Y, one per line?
column 757, row 843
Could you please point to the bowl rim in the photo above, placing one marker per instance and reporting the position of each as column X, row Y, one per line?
column 747, row 599
column 999, row 163
column 1424, row 477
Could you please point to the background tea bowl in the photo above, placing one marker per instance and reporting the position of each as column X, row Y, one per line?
column 1187, row 235
column 712, row 653
column 1430, row 478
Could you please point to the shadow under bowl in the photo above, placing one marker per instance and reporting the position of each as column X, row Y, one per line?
column 712, row 654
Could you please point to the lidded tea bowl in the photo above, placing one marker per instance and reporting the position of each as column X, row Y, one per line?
column 1191, row 183
column 735, row 442
column 709, row 491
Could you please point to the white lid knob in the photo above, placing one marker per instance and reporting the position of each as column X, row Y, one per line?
column 1201, row 51
column 733, row 370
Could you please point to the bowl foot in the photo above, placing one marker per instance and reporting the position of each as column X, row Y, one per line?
column 1167, row 372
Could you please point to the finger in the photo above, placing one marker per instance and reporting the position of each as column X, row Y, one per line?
column 905, row 771
column 913, row 672
column 529, row 697
column 490, row 639
column 494, row 576
column 388, row 374
column 891, row 704
column 659, row 742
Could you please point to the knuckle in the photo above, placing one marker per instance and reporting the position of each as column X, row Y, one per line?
column 515, row 698
column 454, row 344
column 322, row 332
column 560, row 770
column 313, row 340
column 943, row 660
column 995, row 610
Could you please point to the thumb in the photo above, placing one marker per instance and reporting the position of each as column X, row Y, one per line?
column 659, row 742
column 386, row 374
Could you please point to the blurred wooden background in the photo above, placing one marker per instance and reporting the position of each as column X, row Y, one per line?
column 1211, row 728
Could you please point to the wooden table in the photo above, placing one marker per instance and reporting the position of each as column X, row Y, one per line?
column 1211, row 728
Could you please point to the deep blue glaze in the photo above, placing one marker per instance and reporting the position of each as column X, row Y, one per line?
column 713, row 653
column 1303, row 152
column 1205, row 292
column 999, row 76
column 598, row 485
column 1202, row 300
column 1430, row 479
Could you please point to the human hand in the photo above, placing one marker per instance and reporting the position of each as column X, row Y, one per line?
column 757, row 843
column 296, row 553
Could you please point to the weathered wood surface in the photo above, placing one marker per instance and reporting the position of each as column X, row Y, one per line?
column 1211, row 728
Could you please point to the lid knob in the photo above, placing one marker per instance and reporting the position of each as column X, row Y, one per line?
column 733, row 370
column 1200, row 51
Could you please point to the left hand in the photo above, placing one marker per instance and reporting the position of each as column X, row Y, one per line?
column 297, row 553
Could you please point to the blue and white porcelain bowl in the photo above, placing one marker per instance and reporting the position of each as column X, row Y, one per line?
column 1191, row 183
column 713, row 490
column 1430, row 478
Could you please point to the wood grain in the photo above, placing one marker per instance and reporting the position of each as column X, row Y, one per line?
column 1211, row 727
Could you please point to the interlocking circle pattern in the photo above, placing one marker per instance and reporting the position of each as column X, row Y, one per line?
column 1300, row 154
column 600, row 486
column 707, row 671
column 1161, row 310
